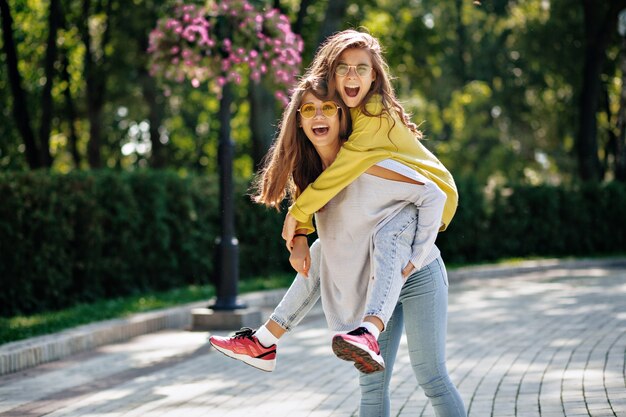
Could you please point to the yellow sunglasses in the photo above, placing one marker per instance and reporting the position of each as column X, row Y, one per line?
column 309, row 110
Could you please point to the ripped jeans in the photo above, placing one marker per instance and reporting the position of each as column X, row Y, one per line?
column 392, row 250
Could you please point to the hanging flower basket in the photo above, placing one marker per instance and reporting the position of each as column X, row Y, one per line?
column 224, row 42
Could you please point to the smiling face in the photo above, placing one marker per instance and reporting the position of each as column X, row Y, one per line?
column 355, row 84
column 322, row 130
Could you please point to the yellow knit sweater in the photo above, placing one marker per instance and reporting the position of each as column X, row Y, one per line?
column 374, row 139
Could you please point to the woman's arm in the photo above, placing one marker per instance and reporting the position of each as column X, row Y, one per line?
column 300, row 257
column 368, row 133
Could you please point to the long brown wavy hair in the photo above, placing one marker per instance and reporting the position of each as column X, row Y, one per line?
column 292, row 162
column 327, row 58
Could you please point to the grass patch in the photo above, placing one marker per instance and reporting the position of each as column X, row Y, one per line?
column 22, row 327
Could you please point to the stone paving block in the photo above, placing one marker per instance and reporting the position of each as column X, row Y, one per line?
column 505, row 363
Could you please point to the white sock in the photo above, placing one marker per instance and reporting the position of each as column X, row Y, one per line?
column 371, row 327
column 266, row 338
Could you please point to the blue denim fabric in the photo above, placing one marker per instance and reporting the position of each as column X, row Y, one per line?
column 301, row 295
column 422, row 310
column 392, row 251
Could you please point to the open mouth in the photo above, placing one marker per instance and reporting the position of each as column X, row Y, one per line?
column 352, row 91
column 318, row 131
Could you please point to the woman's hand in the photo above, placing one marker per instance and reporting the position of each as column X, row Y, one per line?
column 300, row 258
column 407, row 270
column 289, row 229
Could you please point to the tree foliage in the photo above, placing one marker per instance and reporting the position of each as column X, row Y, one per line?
column 500, row 88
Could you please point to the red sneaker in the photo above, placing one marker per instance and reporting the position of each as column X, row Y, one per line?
column 245, row 347
column 360, row 347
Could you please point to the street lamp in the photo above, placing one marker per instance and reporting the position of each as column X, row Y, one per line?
column 227, row 243
column 219, row 43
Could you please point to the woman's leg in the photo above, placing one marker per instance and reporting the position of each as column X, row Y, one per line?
column 253, row 347
column 391, row 253
column 375, row 386
column 301, row 295
column 424, row 301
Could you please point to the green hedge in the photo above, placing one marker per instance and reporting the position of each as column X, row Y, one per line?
column 91, row 235
column 523, row 221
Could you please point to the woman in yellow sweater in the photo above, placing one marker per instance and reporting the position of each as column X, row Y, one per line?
column 353, row 65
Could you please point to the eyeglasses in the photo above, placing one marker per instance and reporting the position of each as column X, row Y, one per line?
column 362, row 69
column 309, row 110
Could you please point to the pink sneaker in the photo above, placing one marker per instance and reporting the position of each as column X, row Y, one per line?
column 360, row 347
column 245, row 347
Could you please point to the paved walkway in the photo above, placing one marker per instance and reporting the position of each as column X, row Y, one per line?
column 545, row 343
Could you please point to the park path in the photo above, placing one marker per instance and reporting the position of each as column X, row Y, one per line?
column 548, row 343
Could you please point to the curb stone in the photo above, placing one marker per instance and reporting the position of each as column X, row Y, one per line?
column 24, row 354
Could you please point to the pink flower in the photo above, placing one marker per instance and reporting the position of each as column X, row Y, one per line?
column 185, row 46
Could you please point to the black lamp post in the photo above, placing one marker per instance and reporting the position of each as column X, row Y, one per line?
column 227, row 243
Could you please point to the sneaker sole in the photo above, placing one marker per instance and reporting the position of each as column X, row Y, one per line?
column 262, row 364
column 362, row 358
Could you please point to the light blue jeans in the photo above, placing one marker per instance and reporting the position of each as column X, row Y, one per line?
column 392, row 250
column 421, row 306
column 422, row 311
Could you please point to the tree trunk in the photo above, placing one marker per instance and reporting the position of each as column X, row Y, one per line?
column 299, row 23
column 46, row 94
column 461, row 41
column 262, row 120
column 20, row 106
column 93, row 146
column 335, row 13
column 620, row 143
column 155, row 101
column 610, row 145
column 70, row 110
column 600, row 23
column 95, row 76
column 158, row 157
